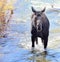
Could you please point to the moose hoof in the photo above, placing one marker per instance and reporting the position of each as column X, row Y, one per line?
column 45, row 51
column 32, row 50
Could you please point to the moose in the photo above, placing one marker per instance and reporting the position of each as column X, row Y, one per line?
column 39, row 28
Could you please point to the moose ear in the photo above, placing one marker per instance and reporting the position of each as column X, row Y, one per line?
column 43, row 10
column 33, row 10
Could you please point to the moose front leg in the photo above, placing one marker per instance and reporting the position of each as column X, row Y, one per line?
column 45, row 44
column 33, row 42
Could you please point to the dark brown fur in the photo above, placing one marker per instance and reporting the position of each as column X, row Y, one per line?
column 43, row 32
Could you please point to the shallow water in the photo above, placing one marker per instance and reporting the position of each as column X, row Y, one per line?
column 16, row 47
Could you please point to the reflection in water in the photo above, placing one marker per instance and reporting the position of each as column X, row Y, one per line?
column 33, row 58
column 41, row 57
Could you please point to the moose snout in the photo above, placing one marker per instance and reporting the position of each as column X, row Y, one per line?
column 39, row 28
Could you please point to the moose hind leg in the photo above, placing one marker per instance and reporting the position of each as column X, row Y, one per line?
column 36, row 40
column 42, row 40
